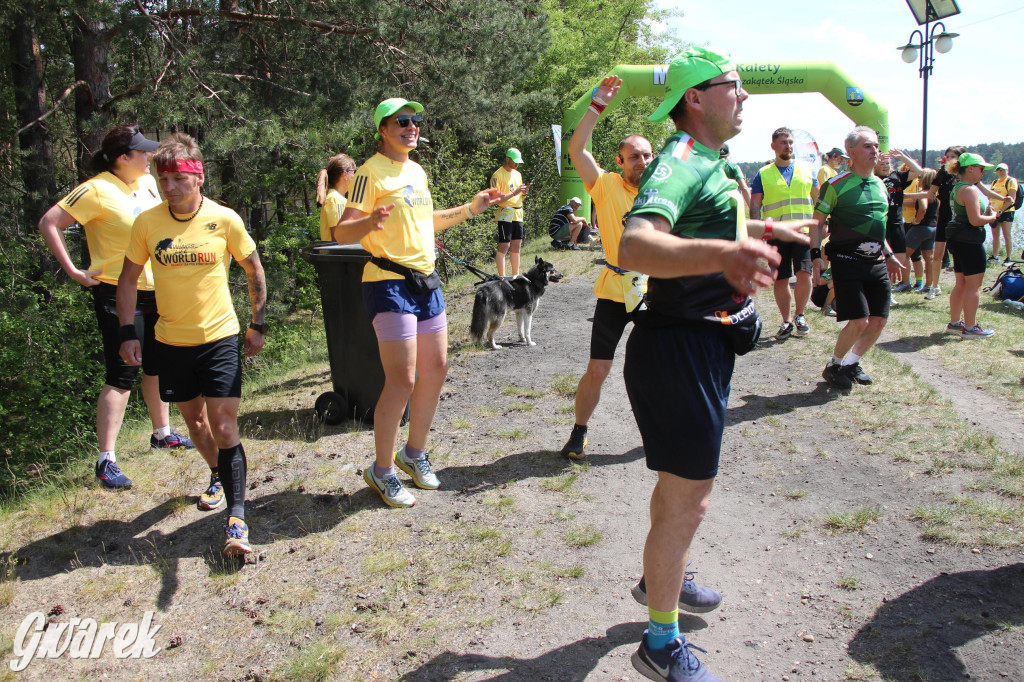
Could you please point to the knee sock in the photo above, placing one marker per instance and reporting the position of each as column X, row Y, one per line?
column 662, row 628
column 413, row 453
column 231, row 466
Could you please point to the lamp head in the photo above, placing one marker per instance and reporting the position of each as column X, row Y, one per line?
column 944, row 42
column 908, row 53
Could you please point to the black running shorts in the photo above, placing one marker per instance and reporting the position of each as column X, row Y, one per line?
column 677, row 378
column 896, row 235
column 610, row 319
column 968, row 259
column 104, row 303
column 213, row 370
column 795, row 258
column 862, row 288
column 510, row 231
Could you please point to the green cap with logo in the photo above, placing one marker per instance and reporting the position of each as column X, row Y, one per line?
column 514, row 154
column 389, row 107
column 967, row 159
column 692, row 67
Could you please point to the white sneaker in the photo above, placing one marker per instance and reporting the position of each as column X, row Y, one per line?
column 419, row 469
column 390, row 488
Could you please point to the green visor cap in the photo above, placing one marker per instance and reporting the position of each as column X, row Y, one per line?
column 968, row 159
column 389, row 107
column 694, row 66
column 514, row 154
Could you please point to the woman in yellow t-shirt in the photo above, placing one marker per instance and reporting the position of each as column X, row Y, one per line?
column 391, row 213
column 106, row 206
column 331, row 185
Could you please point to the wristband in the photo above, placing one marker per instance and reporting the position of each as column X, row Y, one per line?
column 469, row 212
column 126, row 332
column 261, row 327
column 769, row 228
column 815, row 253
column 597, row 105
column 887, row 254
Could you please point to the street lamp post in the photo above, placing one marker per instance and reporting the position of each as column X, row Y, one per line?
column 928, row 42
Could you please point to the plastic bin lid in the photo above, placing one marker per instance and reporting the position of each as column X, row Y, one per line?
column 330, row 252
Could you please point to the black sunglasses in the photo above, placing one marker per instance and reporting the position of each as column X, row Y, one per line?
column 404, row 120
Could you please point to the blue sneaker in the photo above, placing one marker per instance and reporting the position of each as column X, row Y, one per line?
column 236, row 541
column 904, row 286
column 110, row 477
column 173, row 441
column 674, row 663
column 693, row 597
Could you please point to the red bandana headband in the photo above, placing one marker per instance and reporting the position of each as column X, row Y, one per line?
column 181, row 166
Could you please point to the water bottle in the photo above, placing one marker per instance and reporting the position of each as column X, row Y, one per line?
column 1016, row 305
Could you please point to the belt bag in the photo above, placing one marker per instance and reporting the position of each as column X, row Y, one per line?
column 741, row 336
column 957, row 231
column 417, row 282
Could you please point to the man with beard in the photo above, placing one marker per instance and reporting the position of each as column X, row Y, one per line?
column 687, row 231
column 785, row 190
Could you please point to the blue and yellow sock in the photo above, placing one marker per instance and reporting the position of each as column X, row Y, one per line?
column 662, row 628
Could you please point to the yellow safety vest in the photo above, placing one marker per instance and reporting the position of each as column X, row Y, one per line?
column 787, row 202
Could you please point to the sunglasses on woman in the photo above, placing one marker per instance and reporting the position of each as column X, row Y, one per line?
column 404, row 120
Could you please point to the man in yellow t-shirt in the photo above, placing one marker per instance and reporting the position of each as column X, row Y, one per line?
column 190, row 241
column 613, row 196
column 509, row 182
column 1006, row 186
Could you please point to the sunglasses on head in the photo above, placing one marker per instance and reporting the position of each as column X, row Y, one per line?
column 404, row 120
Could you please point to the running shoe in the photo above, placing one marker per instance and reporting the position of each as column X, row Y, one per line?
column 956, row 328
column 674, row 663
column 573, row 246
column 976, row 332
column 109, row 475
column 919, row 287
column 993, row 259
column 1008, row 261
column 693, row 597
column 930, row 293
column 904, row 286
column 214, row 495
column 785, row 331
column 173, row 441
column 836, row 377
column 828, row 311
column 236, row 541
column 390, row 489
column 937, row 289
column 575, row 447
column 892, row 300
column 857, row 373
column 801, row 326
column 419, row 469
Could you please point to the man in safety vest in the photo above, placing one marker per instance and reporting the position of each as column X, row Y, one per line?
column 787, row 190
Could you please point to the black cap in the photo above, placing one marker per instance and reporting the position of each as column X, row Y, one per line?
column 142, row 143
column 834, row 152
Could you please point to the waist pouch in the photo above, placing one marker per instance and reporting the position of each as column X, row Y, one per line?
column 741, row 334
column 964, row 233
column 417, row 282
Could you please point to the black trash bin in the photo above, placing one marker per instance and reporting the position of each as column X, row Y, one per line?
column 356, row 372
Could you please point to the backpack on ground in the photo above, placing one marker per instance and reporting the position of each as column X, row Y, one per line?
column 1009, row 284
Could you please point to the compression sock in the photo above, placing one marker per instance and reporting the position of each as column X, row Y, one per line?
column 413, row 453
column 851, row 359
column 662, row 628
column 231, row 466
column 106, row 454
column 162, row 432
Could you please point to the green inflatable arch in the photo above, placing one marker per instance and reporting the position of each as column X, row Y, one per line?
column 758, row 78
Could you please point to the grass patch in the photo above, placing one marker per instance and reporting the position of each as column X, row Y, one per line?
column 560, row 483
column 521, row 392
column 565, row 384
column 857, row 671
column 539, row 601
column 8, row 578
column 583, row 535
column 514, row 434
column 502, row 503
column 318, row 662
column 848, row 522
column 795, row 494
column 848, row 582
column 522, row 407
column 973, row 520
column 384, row 561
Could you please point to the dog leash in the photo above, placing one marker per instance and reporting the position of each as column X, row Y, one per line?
column 484, row 276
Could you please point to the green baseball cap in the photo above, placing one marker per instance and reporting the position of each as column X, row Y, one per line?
column 692, row 67
column 514, row 154
column 389, row 107
column 967, row 159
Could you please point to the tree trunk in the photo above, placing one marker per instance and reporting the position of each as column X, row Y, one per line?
column 30, row 100
column 90, row 50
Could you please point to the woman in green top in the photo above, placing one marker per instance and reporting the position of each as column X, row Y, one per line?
column 965, row 239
